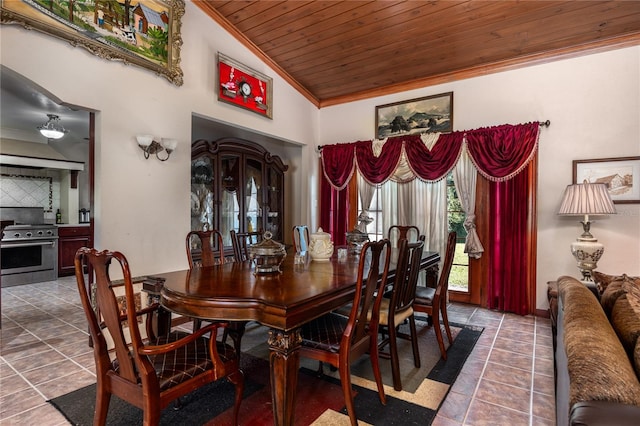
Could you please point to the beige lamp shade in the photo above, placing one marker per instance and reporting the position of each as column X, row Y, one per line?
column 586, row 199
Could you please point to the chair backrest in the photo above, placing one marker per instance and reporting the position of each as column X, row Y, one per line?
column 119, row 312
column 374, row 262
column 300, row 238
column 241, row 242
column 204, row 248
column 407, row 272
column 399, row 232
column 443, row 281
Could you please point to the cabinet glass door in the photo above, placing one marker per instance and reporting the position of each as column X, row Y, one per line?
column 229, row 202
column 253, row 195
column 202, row 197
column 274, row 203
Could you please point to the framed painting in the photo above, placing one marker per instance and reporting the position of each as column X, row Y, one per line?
column 145, row 33
column 620, row 175
column 422, row 115
column 244, row 87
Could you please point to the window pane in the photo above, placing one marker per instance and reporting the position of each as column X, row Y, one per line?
column 459, row 276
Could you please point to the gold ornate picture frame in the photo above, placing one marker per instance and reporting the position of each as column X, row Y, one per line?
column 144, row 33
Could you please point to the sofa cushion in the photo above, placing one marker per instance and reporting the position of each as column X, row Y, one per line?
column 598, row 366
column 602, row 280
column 615, row 289
column 626, row 322
column 633, row 295
column 636, row 358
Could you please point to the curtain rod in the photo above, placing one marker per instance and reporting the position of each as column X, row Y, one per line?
column 545, row 123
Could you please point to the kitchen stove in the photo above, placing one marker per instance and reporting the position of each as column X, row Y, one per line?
column 29, row 252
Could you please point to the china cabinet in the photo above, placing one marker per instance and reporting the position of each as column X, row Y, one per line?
column 236, row 185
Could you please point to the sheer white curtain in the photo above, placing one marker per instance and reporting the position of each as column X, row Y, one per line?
column 406, row 200
column 389, row 202
column 464, row 178
column 365, row 191
column 430, row 212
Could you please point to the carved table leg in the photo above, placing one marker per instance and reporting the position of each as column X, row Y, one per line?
column 284, row 359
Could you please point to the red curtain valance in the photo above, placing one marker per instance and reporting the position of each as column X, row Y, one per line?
column 499, row 153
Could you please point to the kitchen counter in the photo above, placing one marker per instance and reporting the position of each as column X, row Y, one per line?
column 67, row 225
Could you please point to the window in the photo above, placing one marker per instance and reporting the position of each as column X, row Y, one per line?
column 459, row 277
column 374, row 229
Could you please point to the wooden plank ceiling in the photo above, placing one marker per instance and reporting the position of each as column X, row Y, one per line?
column 339, row 51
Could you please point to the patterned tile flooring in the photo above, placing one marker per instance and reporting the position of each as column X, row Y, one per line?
column 507, row 380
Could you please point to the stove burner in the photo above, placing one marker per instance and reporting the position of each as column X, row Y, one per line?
column 29, row 232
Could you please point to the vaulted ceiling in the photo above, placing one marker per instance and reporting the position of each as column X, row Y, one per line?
column 340, row 51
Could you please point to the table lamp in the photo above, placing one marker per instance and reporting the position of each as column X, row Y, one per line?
column 586, row 199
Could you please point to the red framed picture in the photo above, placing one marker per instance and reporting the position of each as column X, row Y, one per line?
column 241, row 86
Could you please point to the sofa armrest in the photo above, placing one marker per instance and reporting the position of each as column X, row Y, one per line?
column 604, row 413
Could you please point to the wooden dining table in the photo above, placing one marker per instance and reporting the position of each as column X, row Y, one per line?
column 283, row 302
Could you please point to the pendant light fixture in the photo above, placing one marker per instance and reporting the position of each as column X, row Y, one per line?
column 52, row 129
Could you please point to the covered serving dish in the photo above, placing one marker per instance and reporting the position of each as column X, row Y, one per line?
column 267, row 255
column 355, row 240
column 321, row 246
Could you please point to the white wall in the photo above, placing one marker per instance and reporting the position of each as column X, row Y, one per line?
column 142, row 206
column 593, row 103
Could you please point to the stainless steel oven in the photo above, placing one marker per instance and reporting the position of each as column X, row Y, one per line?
column 29, row 254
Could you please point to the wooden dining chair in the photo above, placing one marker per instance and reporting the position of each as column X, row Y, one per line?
column 340, row 340
column 143, row 369
column 398, row 232
column 300, row 238
column 433, row 301
column 206, row 248
column 397, row 307
column 241, row 242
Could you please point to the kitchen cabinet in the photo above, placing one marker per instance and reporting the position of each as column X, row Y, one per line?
column 236, row 184
column 70, row 239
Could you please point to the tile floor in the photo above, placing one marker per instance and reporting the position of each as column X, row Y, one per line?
column 508, row 379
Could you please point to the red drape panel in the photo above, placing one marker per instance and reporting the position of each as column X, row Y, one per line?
column 333, row 211
column 501, row 152
column 434, row 164
column 376, row 170
column 338, row 163
column 509, row 280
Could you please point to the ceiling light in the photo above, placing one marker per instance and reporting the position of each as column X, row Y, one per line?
column 52, row 129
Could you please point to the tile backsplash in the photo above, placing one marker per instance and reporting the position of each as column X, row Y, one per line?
column 21, row 187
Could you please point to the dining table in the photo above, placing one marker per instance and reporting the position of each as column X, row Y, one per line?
column 303, row 290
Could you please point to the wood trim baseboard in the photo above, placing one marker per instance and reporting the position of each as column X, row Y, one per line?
column 543, row 313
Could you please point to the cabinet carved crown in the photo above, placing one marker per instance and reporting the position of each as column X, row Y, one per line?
column 236, row 185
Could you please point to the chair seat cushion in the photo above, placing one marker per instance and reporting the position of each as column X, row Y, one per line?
column 425, row 295
column 324, row 333
column 186, row 362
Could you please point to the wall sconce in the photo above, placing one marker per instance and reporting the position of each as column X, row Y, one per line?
column 52, row 129
column 150, row 147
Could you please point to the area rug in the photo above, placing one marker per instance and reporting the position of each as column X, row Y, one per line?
column 319, row 399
